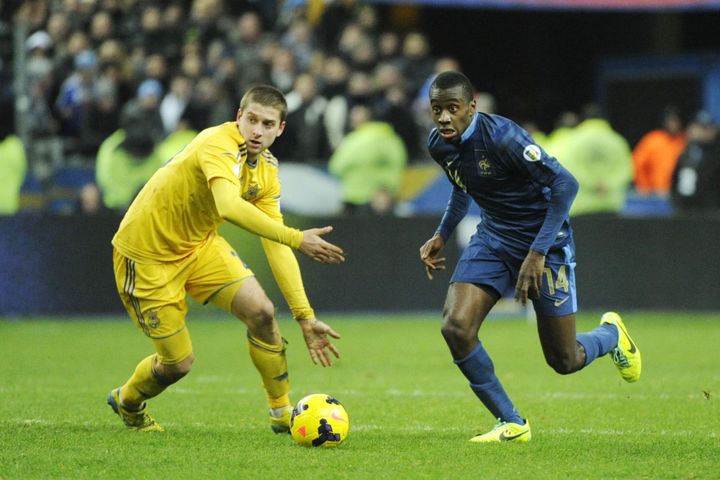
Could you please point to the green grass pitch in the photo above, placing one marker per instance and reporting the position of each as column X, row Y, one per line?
column 411, row 412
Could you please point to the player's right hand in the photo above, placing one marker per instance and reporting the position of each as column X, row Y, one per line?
column 318, row 249
column 428, row 254
column 316, row 335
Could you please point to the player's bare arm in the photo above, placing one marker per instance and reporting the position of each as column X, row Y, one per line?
column 316, row 335
column 530, row 277
column 428, row 255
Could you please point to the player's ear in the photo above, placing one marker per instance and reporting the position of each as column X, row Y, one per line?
column 473, row 106
column 239, row 114
column 281, row 128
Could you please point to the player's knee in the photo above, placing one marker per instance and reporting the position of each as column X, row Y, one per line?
column 169, row 374
column 562, row 363
column 261, row 317
column 456, row 333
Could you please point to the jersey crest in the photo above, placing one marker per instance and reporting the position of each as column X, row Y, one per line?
column 252, row 191
column 484, row 167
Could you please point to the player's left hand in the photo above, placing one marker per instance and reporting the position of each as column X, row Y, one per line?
column 316, row 338
column 530, row 277
column 428, row 255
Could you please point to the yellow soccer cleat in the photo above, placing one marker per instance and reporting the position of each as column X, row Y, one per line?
column 626, row 355
column 280, row 419
column 140, row 420
column 505, row 432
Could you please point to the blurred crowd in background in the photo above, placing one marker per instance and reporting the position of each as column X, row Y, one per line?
column 112, row 89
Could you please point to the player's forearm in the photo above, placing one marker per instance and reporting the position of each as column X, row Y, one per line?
column 287, row 274
column 562, row 193
column 246, row 216
column 456, row 209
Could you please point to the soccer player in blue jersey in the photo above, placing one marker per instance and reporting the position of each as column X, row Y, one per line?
column 524, row 240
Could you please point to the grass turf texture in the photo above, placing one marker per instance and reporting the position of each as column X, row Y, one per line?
column 411, row 412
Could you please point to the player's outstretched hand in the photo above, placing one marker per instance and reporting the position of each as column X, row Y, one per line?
column 530, row 277
column 316, row 335
column 318, row 249
column 428, row 255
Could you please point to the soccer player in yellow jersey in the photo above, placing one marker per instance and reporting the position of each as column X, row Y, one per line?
column 167, row 245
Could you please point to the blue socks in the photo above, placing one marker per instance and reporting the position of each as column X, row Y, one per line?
column 479, row 370
column 598, row 342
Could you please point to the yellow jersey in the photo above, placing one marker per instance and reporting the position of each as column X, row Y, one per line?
column 175, row 211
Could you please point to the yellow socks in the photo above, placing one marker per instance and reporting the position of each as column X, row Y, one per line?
column 270, row 361
column 142, row 385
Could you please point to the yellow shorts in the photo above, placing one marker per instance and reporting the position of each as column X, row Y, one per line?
column 155, row 294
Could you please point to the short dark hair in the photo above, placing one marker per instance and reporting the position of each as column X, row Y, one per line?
column 451, row 79
column 266, row 95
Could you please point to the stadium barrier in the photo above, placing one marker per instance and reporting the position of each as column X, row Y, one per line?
column 53, row 264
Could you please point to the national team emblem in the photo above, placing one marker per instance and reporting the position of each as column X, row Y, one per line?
column 484, row 166
column 251, row 192
column 152, row 320
column 532, row 153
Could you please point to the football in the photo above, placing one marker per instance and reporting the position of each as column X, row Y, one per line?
column 319, row 420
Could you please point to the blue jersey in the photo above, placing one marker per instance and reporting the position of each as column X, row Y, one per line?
column 524, row 194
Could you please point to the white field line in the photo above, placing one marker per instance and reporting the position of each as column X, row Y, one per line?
column 410, row 429
column 458, row 393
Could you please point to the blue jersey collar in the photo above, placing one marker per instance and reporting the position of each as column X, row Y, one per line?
column 470, row 130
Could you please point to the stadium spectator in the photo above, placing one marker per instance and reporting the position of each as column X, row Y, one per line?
column 156, row 68
column 656, row 154
column 173, row 24
column 299, row 40
column 393, row 109
column 417, row 64
column 76, row 94
column 564, row 125
column 359, row 91
column 121, row 172
column 389, row 47
column 58, row 27
column 101, row 28
column 174, row 103
column 696, row 180
column 304, row 134
column 206, row 21
column 140, row 119
column 369, row 162
column 524, row 236
column 167, row 247
column 192, row 64
column 175, row 141
column 249, row 39
column 363, row 56
column 283, row 69
column 151, row 37
column 101, row 120
column 334, row 83
column 208, row 104
column 77, row 43
column 601, row 161
column 13, row 163
column 332, row 20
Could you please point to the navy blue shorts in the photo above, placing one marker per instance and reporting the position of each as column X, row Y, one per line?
column 486, row 261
